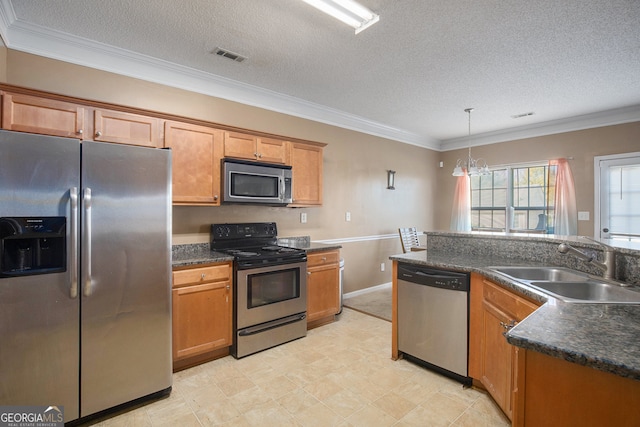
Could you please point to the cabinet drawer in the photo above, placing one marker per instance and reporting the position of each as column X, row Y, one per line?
column 511, row 304
column 201, row 275
column 323, row 258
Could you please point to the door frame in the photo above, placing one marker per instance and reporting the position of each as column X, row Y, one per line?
column 597, row 178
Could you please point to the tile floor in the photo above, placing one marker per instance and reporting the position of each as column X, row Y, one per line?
column 339, row 375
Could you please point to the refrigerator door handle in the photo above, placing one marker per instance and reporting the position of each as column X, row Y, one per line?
column 73, row 198
column 86, row 247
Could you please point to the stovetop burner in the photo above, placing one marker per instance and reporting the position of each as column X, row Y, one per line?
column 253, row 244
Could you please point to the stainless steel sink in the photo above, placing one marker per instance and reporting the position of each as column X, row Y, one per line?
column 570, row 285
column 547, row 274
column 590, row 291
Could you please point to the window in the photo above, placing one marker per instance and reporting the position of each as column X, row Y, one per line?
column 519, row 198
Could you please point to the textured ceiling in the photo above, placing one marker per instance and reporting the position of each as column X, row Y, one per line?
column 413, row 73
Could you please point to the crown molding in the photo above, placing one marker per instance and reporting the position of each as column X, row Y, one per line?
column 37, row 40
column 588, row 121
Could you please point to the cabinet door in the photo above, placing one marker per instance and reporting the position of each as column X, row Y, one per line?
column 127, row 128
column 306, row 162
column 196, row 163
column 201, row 319
column 240, row 146
column 24, row 113
column 272, row 150
column 323, row 297
column 497, row 360
column 492, row 359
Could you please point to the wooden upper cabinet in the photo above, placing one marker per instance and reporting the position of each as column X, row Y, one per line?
column 240, row 145
column 24, row 113
column 249, row 147
column 127, row 128
column 272, row 150
column 196, row 152
column 306, row 162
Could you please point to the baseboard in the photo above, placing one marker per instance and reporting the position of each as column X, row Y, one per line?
column 367, row 290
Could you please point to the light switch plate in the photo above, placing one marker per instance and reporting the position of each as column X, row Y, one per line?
column 303, row 217
column 583, row 216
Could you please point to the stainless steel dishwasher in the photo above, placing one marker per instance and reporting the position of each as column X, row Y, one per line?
column 433, row 319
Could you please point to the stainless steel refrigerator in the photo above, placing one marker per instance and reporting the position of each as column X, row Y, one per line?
column 85, row 302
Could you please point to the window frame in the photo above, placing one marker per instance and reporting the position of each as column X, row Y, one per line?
column 509, row 209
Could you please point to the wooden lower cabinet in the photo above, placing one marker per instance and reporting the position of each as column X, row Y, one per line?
column 492, row 360
column 562, row 393
column 323, row 287
column 202, row 314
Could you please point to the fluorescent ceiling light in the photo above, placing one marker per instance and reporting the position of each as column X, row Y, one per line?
column 348, row 11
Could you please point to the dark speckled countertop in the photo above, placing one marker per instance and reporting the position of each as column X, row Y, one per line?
column 201, row 253
column 603, row 336
column 196, row 254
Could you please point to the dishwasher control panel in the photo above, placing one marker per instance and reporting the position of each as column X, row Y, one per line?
column 444, row 279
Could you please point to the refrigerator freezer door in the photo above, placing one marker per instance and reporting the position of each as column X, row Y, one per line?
column 38, row 315
column 125, row 291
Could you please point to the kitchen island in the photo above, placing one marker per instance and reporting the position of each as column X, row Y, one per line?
column 591, row 350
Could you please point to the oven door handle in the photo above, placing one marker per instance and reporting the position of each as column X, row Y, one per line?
column 253, row 330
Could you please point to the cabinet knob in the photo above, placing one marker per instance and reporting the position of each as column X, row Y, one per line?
column 228, row 287
column 98, row 134
column 506, row 326
column 202, row 275
column 308, row 273
column 324, row 258
column 80, row 131
column 215, row 197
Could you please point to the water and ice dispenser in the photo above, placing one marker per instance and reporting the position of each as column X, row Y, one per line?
column 32, row 245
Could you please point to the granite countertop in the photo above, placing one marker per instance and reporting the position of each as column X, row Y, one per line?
column 307, row 245
column 201, row 253
column 196, row 254
column 602, row 336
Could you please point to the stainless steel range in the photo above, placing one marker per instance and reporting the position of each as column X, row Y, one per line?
column 270, row 286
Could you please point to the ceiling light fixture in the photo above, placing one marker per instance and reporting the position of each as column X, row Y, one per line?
column 470, row 164
column 350, row 12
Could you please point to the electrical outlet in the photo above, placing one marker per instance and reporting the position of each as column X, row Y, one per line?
column 347, row 216
column 382, row 266
column 303, row 217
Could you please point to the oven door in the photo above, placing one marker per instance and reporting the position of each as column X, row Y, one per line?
column 269, row 293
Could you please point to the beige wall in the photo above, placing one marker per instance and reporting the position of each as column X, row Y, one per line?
column 582, row 145
column 355, row 167
column 3, row 62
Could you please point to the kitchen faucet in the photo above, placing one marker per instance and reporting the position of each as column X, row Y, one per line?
column 608, row 267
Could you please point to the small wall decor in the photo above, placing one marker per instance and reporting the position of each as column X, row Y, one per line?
column 391, row 178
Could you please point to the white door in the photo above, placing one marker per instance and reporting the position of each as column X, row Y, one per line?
column 617, row 180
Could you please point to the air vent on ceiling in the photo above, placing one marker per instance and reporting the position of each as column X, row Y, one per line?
column 518, row 116
column 228, row 54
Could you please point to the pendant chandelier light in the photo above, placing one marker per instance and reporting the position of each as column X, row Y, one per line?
column 473, row 167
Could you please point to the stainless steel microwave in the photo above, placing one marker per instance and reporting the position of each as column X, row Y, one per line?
column 251, row 182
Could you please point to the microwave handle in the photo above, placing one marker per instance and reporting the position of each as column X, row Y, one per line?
column 282, row 187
